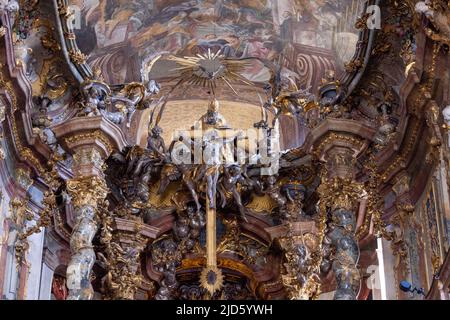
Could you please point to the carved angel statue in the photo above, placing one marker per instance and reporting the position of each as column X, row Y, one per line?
column 135, row 96
column 41, row 121
column 94, row 95
column 229, row 188
column 295, row 195
column 285, row 97
column 143, row 163
column 177, row 168
column 273, row 190
column 440, row 20
column 9, row 5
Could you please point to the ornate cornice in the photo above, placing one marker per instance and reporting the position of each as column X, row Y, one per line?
column 98, row 131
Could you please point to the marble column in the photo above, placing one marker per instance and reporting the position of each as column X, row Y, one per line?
column 90, row 140
column 86, row 189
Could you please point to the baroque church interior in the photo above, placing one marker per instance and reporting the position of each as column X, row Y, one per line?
column 224, row 150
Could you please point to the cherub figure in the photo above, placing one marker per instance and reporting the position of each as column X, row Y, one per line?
column 94, row 96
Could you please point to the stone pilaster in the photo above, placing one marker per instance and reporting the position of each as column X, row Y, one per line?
column 400, row 223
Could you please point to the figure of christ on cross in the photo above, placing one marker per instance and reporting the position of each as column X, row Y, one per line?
column 217, row 143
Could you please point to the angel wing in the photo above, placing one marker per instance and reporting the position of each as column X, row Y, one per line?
column 301, row 93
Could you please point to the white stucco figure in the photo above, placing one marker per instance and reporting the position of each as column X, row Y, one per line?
column 446, row 114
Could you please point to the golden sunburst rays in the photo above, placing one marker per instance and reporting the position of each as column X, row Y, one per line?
column 211, row 279
column 207, row 69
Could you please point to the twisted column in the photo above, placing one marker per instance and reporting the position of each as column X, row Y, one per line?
column 86, row 191
column 341, row 193
column 345, row 268
column 90, row 141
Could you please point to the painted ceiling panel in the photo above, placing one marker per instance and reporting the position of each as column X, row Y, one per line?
column 119, row 35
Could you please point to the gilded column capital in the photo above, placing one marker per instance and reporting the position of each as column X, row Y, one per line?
column 339, row 152
column 87, row 191
column 88, row 162
column 341, row 193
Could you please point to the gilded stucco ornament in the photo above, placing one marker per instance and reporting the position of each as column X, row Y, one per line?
column 211, row 279
column 302, row 260
column 87, row 191
column 354, row 65
column 346, row 192
column 77, row 57
column 432, row 119
column 120, row 257
column 374, row 205
column 20, row 215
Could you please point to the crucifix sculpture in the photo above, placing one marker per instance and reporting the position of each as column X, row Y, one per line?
column 216, row 140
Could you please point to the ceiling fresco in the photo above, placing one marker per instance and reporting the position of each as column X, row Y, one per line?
column 311, row 36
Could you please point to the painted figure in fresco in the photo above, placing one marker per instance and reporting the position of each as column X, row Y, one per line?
column 228, row 45
column 237, row 29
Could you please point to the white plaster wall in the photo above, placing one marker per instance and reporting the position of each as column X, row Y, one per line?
column 34, row 258
column 45, row 289
column 9, row 289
